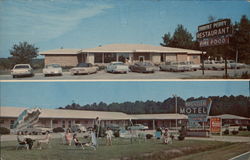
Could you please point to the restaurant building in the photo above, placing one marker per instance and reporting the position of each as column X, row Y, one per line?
column 129, row 53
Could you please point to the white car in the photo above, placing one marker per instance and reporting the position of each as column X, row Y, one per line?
column 175, row 67
column 83, row 68
column 22, row 70
column 232, row 64
column 138, row 127
column 78, row 128
column 52, row 69
column 117, row 67
column 193, row 66
column 214, row 65
column 36, row 129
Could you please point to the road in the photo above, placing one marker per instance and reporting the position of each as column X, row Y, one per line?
column 244, row 156
column 158, row 75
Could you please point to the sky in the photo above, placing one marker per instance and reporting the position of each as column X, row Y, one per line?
column 80, row 24
column 60, row 94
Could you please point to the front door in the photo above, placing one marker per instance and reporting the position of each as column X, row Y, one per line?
column 141, row 58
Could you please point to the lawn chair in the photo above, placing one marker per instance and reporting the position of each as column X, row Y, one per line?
column 21, row 143
column 44, row 141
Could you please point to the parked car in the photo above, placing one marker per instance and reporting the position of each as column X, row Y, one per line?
column 78, row 128
column 36, row 129
column 52, row 69
column 232, row 64
column 117, row 67
column 213, row 65
column 22, row 70
column 193, row 66
column 175, row 67
column 83, row 68
column 142, row 67
column 138, row 127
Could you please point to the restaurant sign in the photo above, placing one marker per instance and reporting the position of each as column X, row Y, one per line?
column 216, row 33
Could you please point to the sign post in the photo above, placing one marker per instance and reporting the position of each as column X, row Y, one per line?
column 214, row 34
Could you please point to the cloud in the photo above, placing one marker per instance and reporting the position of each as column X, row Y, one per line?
column 43, row 20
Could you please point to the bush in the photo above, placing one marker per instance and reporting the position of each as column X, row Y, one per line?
column 117, row 134
column 181, row 138
column 245, row 75
column 241, row 128
column 4, row 130
column 226, row 132
column 248, row 128
column 58, row 129
column 234, row 132
column 149, row 136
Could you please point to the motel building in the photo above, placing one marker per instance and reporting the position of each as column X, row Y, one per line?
column 129, row 53
column 53, row 118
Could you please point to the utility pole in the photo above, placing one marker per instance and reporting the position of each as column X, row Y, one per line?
column 175, row 96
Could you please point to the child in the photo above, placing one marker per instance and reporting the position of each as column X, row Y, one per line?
column 109, row 134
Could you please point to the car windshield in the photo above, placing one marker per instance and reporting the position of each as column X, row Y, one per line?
column 144, row 64
column 53, row 66
column 118, row 63
column 83, row 65
column 21, row 66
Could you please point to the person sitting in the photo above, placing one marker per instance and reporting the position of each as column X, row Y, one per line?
column 166, row 137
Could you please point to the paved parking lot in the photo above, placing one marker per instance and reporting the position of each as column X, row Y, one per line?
column 158, row 75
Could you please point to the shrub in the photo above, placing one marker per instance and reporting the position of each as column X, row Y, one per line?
column 181, row 138
column 241, row 128
column 117, row 134
column 58, row 129
column 149, row 136
column 4, row 130
column 245, row 75
column 226, row 132
column 248, row 128
column 234, row 132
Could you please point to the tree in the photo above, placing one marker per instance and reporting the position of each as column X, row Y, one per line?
column 240, row 40
column 180, row 39
column 23, row 52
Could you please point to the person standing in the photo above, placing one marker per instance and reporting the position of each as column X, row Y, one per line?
column 166, row 136
column 109, row 134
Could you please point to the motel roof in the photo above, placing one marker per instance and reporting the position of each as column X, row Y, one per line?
column 229, row 116
column 14, row 112
column 122, row 48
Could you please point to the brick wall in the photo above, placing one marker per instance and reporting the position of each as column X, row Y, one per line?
column 195, row 58
column 63, row 60
column 181, row 57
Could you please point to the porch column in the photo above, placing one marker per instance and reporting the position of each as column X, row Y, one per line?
column 51, row 123
column 153, row 124
column 117, row 57
column 102, row 57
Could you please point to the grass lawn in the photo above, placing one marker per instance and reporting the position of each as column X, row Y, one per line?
column 151, row 149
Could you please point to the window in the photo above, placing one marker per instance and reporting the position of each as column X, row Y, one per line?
column 1, row 121
column 109, row 57
column 98, row 57
column 77, row 122
column 12, row 124
column 195, row 57
column 69, row 124
column 55, row 122
column 63, row 124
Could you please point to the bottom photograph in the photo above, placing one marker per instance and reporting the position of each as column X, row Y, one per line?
column 129, row 120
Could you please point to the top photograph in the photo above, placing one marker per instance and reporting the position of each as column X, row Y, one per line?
column 124, row 40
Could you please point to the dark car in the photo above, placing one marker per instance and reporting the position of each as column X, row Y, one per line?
column 142, row 67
